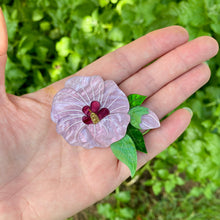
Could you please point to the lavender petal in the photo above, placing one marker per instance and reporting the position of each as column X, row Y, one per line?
column 149, row 121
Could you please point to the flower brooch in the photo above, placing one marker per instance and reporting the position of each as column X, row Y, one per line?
column 91, row 112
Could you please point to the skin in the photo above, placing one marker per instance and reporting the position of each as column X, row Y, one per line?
column 41, row 176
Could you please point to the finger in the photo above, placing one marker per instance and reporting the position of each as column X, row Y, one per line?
column 163, row 102
column 170, row 66
column 3, row 55
column 3, row 35
column 3, row 60
column 177, row 91
column 159, row 139
column 127, row 60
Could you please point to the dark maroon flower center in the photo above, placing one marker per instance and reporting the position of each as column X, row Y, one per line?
column 93, row 113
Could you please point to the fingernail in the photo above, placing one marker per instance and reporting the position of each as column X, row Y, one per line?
column 189, row 110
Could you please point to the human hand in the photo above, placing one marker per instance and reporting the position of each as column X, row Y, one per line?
column 41, row 176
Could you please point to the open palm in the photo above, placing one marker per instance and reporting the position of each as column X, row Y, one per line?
column 43, row 177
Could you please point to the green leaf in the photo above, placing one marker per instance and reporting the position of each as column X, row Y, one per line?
column 37, row 15
column 87, row 24
column 137, row 138
column 208, row 193
column 74, row 60
column 126, row 213
column 63, row 47
column 180, row 181
column 103, row 3
column 25, row 45
column 136, row 100
column 116, row 34
column 26, row 61
column 196, row 191
column 124, row 196
column 149, row 182
column 106, row 210
column 45, row 26
column 169, row 186
column 125, row 151
column 216, row 28
column 163, row 174
column 136, row 113
column 42, row 52
column 192, row 12
column 157, row 187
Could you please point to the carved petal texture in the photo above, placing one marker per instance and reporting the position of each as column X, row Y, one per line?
column 149, row 121
column 83, row 95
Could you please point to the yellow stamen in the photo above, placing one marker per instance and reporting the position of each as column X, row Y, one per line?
column 94, row 117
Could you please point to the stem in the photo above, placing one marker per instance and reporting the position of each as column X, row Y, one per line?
column 140, row 172
column 117, row 191
column 213, row 103
column 146, row 132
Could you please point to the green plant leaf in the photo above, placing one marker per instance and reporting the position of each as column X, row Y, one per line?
column 126, row 213
column 196, row 191
column 25, row 45
column 116, row 34
column 26, row 61
column 163, row 173
column 137, row 138
column 136, row 99
column 157, row 187
column 136, row 113
column 169, row 186
column 125, row 151
column 63, row 47
column 103, row 3
column 37, row 15
column 180, row 181
column 106, row 210
column 124, row 196
column 149, row 182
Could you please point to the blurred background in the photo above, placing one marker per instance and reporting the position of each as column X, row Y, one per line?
column 51, row 39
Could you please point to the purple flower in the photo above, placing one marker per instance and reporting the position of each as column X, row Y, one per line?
column 149, row 121
column 90, row 112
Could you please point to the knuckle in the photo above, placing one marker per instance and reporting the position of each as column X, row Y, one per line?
column 122, row 61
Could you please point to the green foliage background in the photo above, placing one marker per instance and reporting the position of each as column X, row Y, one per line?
column 51, row 39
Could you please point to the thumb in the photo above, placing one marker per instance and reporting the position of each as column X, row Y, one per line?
column 3, row 52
